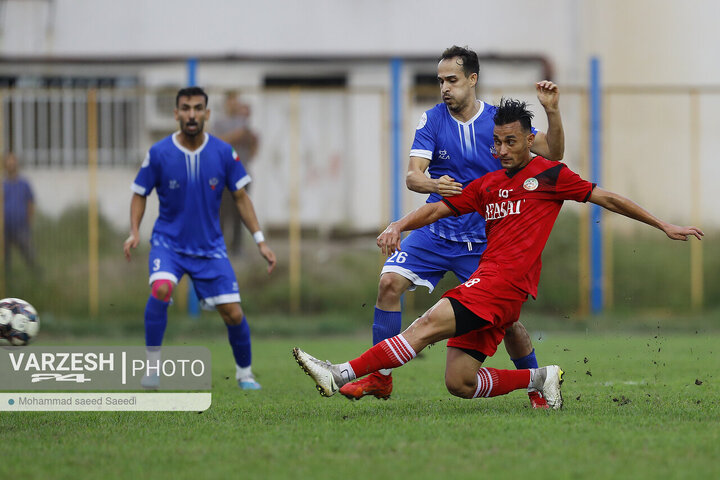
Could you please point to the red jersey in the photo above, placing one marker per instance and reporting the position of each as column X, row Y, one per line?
column 520, row 209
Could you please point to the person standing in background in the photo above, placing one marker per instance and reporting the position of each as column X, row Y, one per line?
column 19, row 203
column 234, row 128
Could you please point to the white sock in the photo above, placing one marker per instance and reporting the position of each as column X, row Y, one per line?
column 533, row 375
column 243, row 373
column 153, row 359
column 347, row 372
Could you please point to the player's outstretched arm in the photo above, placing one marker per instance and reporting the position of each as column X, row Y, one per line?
column 247, row 213
column 389, row 239
column 137, row 210
column 624, row 206
column 550, row 145
column 417, row 181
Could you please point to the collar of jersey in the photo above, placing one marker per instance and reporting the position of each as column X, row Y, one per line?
column 479, row 112
column 185, row 150
column 515, row 172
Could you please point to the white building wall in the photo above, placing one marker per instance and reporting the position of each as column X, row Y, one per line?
column 640, row 43
column 285, row 27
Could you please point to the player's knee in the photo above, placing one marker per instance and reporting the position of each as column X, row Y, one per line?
column 391, row 287
column 231, row 313
column 162, row 290
column 459, row 386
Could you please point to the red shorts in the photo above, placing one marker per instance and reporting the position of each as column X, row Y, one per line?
column 493, row 299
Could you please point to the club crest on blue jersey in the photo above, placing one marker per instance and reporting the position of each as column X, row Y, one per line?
column 213, row 182
column 422, row 121
column 493, row 151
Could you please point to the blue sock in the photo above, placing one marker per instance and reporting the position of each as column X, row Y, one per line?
column 386, row 325
column 155, row 321
column 528, row 361
column 239, row 337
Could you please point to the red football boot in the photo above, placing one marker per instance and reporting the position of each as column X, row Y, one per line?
column 536, row 399
column 375, row 384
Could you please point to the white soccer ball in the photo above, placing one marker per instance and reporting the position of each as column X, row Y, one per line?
column 19, row 321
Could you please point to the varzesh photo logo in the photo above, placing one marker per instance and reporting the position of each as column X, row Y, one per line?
column 102, row 367
column 102, row 377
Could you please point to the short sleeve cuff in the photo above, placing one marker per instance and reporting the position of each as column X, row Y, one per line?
column 242, row 182
column 421, row 153
column 138, row 189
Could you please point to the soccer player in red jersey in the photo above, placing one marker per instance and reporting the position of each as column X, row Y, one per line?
column 453, row 146
column 520, row 204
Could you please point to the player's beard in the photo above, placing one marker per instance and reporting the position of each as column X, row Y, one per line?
column 192, row 133
column 450, row 103
column 454, row 104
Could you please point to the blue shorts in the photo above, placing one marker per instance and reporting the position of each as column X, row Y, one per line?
column 424, row 258
column 213, row 278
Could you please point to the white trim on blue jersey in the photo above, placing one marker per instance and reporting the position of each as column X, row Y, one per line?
column 163, row 276
column 192, row 157
column 221, row 299
column 185, row 150
column 138, row 189
column 242, row 182
column 481, row 109
column 421, row 153
column 410, row 275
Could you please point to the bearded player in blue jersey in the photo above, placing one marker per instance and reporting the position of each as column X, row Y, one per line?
column 454, row 143
column 189, row 170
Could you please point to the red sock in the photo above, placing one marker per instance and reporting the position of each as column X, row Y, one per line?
column 493, row 382
column 390, row 353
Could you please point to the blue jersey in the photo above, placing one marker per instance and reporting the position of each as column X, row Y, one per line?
column 18, row 197
column 190, row 185
column 463, row 151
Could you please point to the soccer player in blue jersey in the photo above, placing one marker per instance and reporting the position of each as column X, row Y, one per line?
column 189, row 170
column 454, row 143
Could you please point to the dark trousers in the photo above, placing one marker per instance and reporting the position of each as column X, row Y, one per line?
column 21, row 239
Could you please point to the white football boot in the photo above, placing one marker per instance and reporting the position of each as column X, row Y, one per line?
column 548, row 381
column 328, row 377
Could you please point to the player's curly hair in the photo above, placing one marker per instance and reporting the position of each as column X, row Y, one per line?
column 510, row 110
column 470, row 62
column 190, row 92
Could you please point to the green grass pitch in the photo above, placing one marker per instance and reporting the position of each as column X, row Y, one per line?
column 636, row 406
